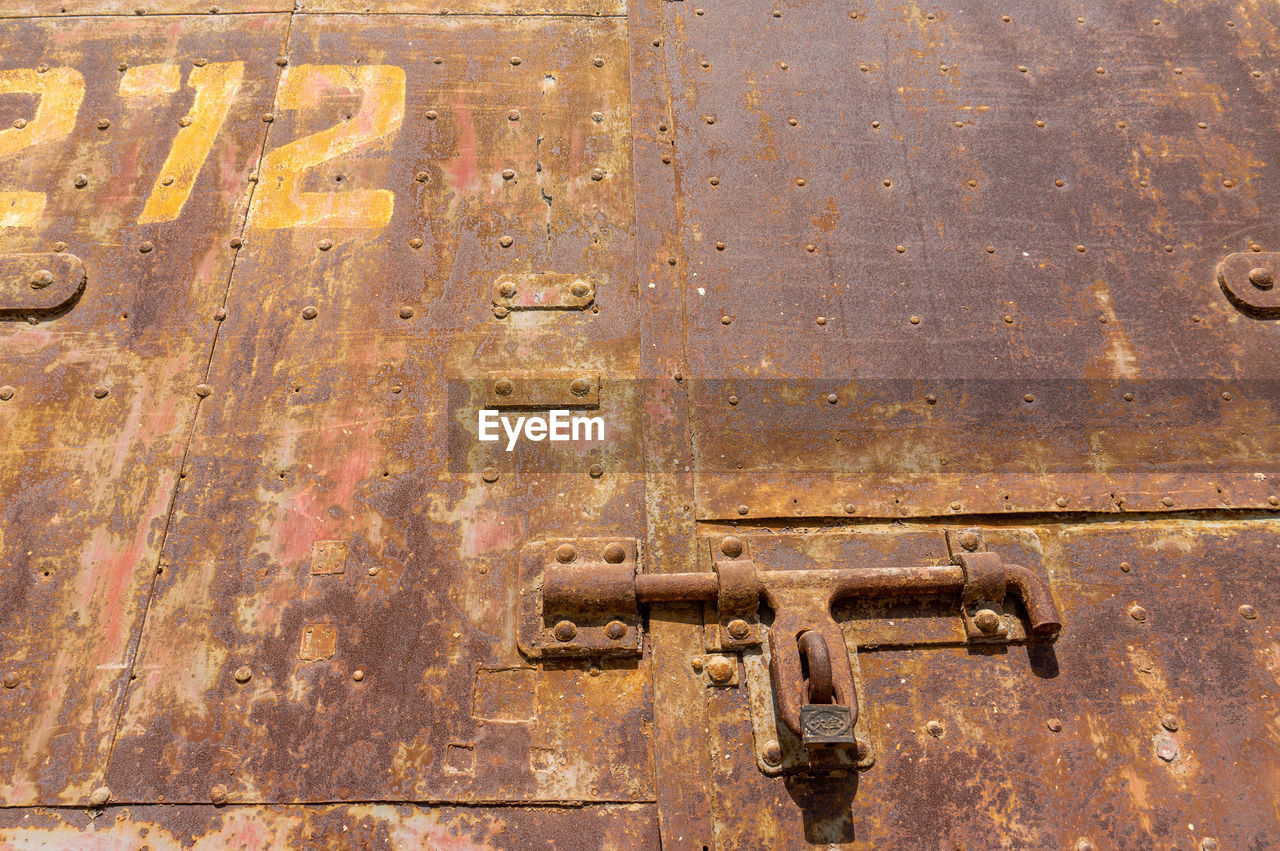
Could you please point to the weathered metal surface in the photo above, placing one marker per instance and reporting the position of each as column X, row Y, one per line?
column 337, row 827
column 327, row 420
column 891, row 203
column 99, row 395
column 1032, row 746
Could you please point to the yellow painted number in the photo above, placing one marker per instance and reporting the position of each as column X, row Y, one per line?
column 216, row 85
column 61, row 91
column 279, row 201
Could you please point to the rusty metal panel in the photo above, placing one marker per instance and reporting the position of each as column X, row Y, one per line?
column 463, row 151
column 138, row 8
column 1147, row 724
column 469, row 7
column 974, row 221
column 374, row 826
column 99, row 392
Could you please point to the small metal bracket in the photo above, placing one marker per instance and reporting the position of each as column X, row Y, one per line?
column 982, row 602
column 544, row 291
column 1249, row 280
column 737, row 621
column 593, row 580
column 39, row 286
column 569, row 392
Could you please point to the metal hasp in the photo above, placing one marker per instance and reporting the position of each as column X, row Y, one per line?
column 588, row 609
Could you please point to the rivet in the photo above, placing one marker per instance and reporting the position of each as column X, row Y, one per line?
column 41, row 279
column 832, row 398
column 1271, row 500
column 100, row 392
column 579, row 288
column 958, row 123
column 914, row 320
column 103, row 124
column 597, row 61
column 421, row 177
column 719, row 669
column 358, row 675
column 595, row 471
column 1167, row 501
column 505, row 241
column 373, row 571
column 726, row 320
column 615, row 629
column 986, row 620
column 710, row 119
column 515, row 60
column 489, row 474
column 1084, row 845
column 1100, row 70
column 615, row 553
column 1256, row 73
column 282, row 61
column 742, row 509
column 900, row 248
column 416, row 242
column 810, row 247
column 268, row 117
column 6, row 393
column 934, row 728
column 771, row 753
column 720, row 246
column 731, row 546
column 793, row 121
column 1261, row 278
column 565, row 631
column 513, row 115
column 19, row 123
column 875, row 125
column 309, row 312
column 508, row 174
column 432, row 115
column 738, row 629
column 203, row 390
column 145, row 247
column 243, row 674
column 580, row 387
column 969, row 540
column 1138, row 613
column 597, row 174
column 436, row 60
column 500, row 312
column 1005, row 18
column 1228, row 183
column 504, row 386
column 406, row 312
column 218, row 795
column 931, row 399
column 236, row 242
column 1059, row 182
column 1054, row 725
column 324, row 244
column 1081, row 249
column 1039, row 122
column 1170, row 723
column 850, row 508
column 597, row 117
column 99, row 797
column 714, row 181
column 1248, row 612
column 200, row 62
column 1125, row 567
column 11, row 679
column 1227, row 397
column 777, row 13
column 566, row 553
column 1028, row 398
column 821, row 320
column 955, row 506
column 1061, row 502
column 81, row 181
column 1022, row 68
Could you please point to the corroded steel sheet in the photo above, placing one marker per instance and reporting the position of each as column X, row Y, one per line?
column 98, row 399
column 1128, row 732
column 889, row 203
column 138, row 8
column 373, row 826
column 462, row 151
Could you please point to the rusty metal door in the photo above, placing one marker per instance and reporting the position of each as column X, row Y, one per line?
column 934, row 345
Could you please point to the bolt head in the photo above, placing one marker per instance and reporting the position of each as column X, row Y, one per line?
column 719, row 669
column 203, row 390
column 358, row 675
column 969, row 540
column 615, row 630
column 579, row 288
column 565, row 631
column 738, row 629
column 99, row 797
column 1261, row 278
column 243, row 674
column 731, row 546
column 489, row 474
column 615, row 553
column 504, row 387
column 11, row 679
column 580, row 387
column 218, row 795
column 41, row 279
column 6, row 393
column 1170, row 723
column 596, row 471
column 566, row 553
column 986, row 620
column 771, row 753
column 309, row 312
column 742, row 509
